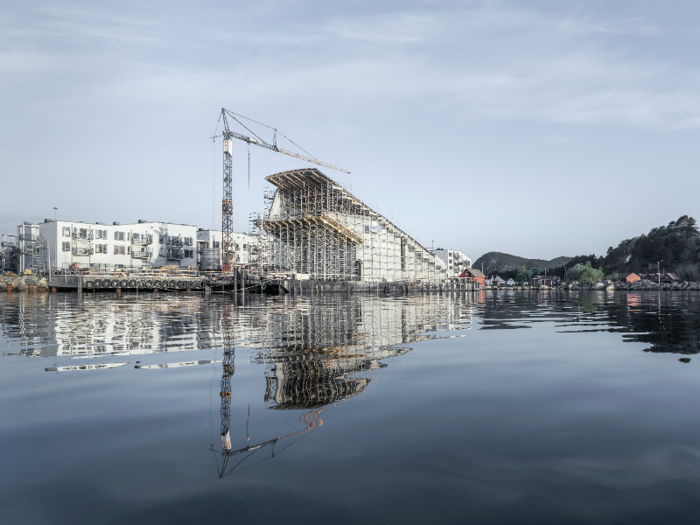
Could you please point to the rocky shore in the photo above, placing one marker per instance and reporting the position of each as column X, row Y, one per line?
column 22, row 283
column 606, row 285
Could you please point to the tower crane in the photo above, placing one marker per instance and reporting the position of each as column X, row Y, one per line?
column 227, row 201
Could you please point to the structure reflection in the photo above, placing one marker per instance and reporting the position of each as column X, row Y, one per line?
column 318, row 354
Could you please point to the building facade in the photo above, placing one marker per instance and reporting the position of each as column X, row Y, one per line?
column 78, row 244
column 209, row 254
column 455, row 260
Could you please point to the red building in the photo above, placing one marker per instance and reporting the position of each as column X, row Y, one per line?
column 474, row 275
column 628, row 277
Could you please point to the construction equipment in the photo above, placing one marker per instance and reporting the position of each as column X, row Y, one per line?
column 227, row 201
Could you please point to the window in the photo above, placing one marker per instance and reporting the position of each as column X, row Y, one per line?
column 100, row 248
column 119, row 250
column 161, row 239
column 66, row 246
column 245, row 247
column 216, row 244
column 188, row 241
column 128, row 249
column 66, row 231
column 189, row 254
column 101, row 234
column 118, row 236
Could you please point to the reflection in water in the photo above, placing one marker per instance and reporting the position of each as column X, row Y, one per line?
column 534, row 414
column 318, row 352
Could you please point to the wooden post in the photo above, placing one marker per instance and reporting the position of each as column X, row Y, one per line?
column 30, row 288
column 8, row 288
column 53, row 289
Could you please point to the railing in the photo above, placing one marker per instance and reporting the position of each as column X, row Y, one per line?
column 87, row 236
column 175, row 254
column 141, row 254
column 83, row 252
column 175, row 241
column 28, row 237
column 141, row 239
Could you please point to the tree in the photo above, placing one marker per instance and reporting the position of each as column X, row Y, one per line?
column 521, row 277
column 590, row 274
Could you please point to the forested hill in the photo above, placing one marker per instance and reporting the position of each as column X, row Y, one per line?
column 674, row 248
column 497, row 262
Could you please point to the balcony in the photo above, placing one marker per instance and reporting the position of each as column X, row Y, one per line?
column 28, row 237
column 175, row 241
column 140, row 254
column 141, row 239
column 175, row 254
column 83, row 252
column 82, row 236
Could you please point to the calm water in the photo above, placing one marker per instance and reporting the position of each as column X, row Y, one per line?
column 500, row 407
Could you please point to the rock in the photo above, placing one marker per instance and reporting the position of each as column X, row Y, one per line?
column 684, row 360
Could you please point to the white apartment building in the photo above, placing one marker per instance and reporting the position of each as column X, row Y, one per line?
column 209, row 254
column 99, row 245
column 455, row 261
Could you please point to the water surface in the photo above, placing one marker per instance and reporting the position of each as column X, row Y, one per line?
column 498, row 407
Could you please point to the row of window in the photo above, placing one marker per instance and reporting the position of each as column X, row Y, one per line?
column 125, row 236
column 118, row 250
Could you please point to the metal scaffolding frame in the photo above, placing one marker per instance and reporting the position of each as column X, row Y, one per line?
column 314, row 227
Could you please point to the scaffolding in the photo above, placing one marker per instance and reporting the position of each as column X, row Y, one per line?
column 313, row 227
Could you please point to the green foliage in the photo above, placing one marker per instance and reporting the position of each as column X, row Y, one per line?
column 590, row 274
column 522, row 275
column 676, row 246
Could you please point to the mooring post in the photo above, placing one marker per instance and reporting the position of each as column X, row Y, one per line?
column 8, row 288
column 53, row 289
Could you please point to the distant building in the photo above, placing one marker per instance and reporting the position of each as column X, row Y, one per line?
column 495, row 280
column 510, row 282
column 544, row 280
column 670, row 278
column 628, row 277
column 210, row 246
column 455, row 261
column 475, row 275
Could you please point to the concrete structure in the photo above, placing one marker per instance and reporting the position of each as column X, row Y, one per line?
column 455, row 260
column 209, row 254
column 140, row 245
column 314, row 227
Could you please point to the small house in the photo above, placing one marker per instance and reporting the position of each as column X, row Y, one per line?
column 510, row 282
column 541, row 280
column 474, row 275
column 544, row 280
column 670, row 278
column 629, row 277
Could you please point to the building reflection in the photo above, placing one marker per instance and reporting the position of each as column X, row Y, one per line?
column 321, row 352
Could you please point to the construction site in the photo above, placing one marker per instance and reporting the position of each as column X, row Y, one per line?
column 312, row 235
column 313, row 232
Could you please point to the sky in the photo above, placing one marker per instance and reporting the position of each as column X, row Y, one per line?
column 536, row 128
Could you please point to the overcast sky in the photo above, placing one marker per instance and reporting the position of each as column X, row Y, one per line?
column 537, row 128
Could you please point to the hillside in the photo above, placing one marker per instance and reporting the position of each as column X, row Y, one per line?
column 674, row 247
column 497, row 262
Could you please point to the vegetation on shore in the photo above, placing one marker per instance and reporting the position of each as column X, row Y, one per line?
column 671, row 248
